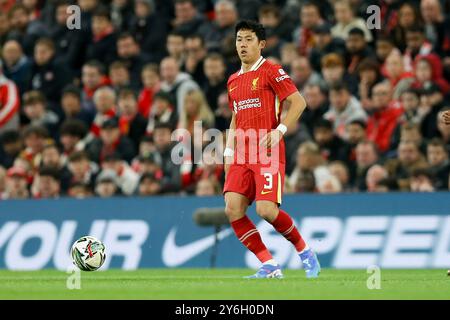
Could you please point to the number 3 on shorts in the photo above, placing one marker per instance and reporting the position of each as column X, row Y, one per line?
column 269, row 179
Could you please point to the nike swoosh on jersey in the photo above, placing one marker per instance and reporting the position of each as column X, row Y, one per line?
column 266, row 192
column 231, row 89
column 174, row 255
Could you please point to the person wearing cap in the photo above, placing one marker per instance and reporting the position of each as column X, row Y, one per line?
column 162, row 111
column 106, row 185
column 9, row 103
column 16, row 184
column 324, row 43
column 127, row 178
column 110, row 141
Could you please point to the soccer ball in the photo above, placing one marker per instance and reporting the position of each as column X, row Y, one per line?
column 88, row 253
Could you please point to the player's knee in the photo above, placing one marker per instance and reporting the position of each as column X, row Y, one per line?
column 233, row 212
column 267, row 212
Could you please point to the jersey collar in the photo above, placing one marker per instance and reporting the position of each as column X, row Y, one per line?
column 255, row 66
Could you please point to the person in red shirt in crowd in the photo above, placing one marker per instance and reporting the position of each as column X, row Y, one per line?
column 384, row 116
column 9, row 103
column 131, row 122
column 151, row 81
column 16, row 184
column 428, row 68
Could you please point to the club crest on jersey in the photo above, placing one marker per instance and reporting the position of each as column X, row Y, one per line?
column 255, row 84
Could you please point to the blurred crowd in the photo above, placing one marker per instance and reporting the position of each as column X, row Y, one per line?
column 89, row 102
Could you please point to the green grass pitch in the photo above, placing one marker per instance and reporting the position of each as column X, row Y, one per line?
column 186, row 284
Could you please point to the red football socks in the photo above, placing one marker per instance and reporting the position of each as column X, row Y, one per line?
column 284, row 225
column 247, row 234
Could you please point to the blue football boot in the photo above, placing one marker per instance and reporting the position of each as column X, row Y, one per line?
column 267, row 271
column 310, row 263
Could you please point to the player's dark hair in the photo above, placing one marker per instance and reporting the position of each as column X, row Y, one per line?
column 253, row 26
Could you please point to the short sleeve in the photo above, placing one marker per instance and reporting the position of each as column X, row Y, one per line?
column 281, row 82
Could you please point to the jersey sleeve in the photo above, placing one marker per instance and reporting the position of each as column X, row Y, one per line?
column 281, row 82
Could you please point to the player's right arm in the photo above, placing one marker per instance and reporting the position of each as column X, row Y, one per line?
column 229, row 146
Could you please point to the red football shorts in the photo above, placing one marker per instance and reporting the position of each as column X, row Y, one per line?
column 256, row 181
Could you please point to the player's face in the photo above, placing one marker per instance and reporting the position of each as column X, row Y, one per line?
column 248, row 46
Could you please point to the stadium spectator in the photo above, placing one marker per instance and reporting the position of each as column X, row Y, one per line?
column 395, row 72
column 69, row 43
column 148, row 185
column 207, row 187
column 343, row 109
column 333, row 71
column 340, row 170
column 195, row 108
column 79, row 191
column 48, row 76
column 428, row 70
column 366, row 154
column 171, row 180
column 346, row 21
column 24, row 29
column 11, row 146
column 82, row 170
column 357, row 50
column 110, row 141
column 132, row 123
column 384, row 116
column 332, row 147
column 176, row 83
column 214, row 69
column 16, row 184
column 194, row 47
column 431, row 102
column 222, row 27
column 438, row 161
column 324, row 43
column 310, row 18
column 106, row 185
column 35, row 109
column 188, row 20
column 92, row 77
column 130, row 53
column 127, row 179
column 294, row 136
column 146, row 18
column 355, row 133
column 421, row 181
column 383, row 47
column 409, row 159
column 119, row 76
column 223, row 112
column 317, row 96
column 175, row 47
column 72, row 108
column 9, row 103
column 47, row 184
column 71, row 137
column 102, row 45
column 444, row 127
column 163, row 111
column 151, row 85
column 368, row 75
column 17, row 66
column 408, row 16
column 375, row 174
column 435, row 22
column 416, row 43
column 51, row 158
column 4, row 26
column 35, row 138
column 302, row 73
column 147, row 163
column 105, row 106
column 305, row 183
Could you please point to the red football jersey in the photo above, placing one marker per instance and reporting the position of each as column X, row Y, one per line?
column 256, row 96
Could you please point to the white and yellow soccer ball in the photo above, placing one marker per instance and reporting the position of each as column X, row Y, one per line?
column 88, row 253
